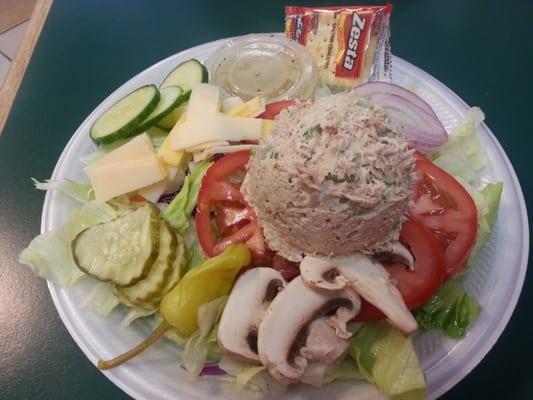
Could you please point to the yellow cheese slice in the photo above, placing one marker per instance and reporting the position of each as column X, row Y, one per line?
column 138, row 147
column 230, row 103
column 112, row 180
column 169, row 156
column 266, row 127
column 204, row 101
column 252, row 108
column 217, row 128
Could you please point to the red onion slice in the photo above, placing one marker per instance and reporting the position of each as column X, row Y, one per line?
column 423, row 129
column 369, row 89
column 404, row 108
column 212, row 369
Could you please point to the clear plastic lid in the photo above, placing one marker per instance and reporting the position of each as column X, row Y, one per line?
column 266, row 65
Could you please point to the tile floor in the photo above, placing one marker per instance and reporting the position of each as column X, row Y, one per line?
column 9, row 42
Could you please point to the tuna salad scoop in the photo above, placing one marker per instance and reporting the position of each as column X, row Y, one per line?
column 332, row 179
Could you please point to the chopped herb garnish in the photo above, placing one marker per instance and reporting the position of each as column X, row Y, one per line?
column 309, row 133
column 389, row 178
column 339, row 179
column 354, row 210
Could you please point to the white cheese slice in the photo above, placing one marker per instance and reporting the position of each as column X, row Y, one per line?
column 112, row 180
column 230, row 103
column 138, row 147
column 204, row 101
column 208, row 153
column 153, row 192
column 221, row 127
column 203, row 146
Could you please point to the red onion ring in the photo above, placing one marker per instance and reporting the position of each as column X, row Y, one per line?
column 369, row 89
column 405, row 109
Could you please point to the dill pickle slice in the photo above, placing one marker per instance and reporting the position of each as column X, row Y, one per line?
column 152, row 286
column 121, row 251
column 178, row 271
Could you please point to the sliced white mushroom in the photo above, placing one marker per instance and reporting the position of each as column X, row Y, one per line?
column 396, row 251
column 322, row 343
column 246, row 306
column 315, row 374
column 285, row 327
column 368, row 278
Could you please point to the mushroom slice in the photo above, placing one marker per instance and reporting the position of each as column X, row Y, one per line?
column 322, row 343
column 368, row 278
column 285, row 327
column 247, row 303
column 396, row 252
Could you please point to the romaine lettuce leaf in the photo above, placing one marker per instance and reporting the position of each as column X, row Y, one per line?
column 178, row 211
column 451, row 310
column 387, row 359
column 490, row 196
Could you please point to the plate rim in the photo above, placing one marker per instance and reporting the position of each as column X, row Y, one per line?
column 454, row 379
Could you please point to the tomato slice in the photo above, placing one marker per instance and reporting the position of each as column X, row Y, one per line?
column 417, row 286
column 273, row 109
column 446, row 208
column 223, row 217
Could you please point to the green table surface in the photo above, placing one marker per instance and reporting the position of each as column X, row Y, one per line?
column 482, row 50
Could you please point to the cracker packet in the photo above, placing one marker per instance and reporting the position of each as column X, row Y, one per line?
column 349, row 43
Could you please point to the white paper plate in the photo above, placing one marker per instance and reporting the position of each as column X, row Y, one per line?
column 495, row 281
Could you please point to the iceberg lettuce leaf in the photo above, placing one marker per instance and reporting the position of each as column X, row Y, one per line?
column 196, row 351
column 387, row 359
column 101, row 300
column 80, row 191
column 50, row 255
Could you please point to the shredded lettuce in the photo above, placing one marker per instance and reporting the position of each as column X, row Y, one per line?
column 101, row 300
column 195, row 255
column 318, row 374
column 341, row 370
column 178, row 211
column 79, row 191
column 198, row 346
column 50, row 256
column 451, row 310
column 387, row 359
column 136, row 313
column 251, row 376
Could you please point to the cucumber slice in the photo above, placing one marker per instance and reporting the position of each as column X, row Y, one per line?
column 120, row 120
column 171, row 119
column 171, row 98
column 121, row 251
column 152, row 286
column 186, row 75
